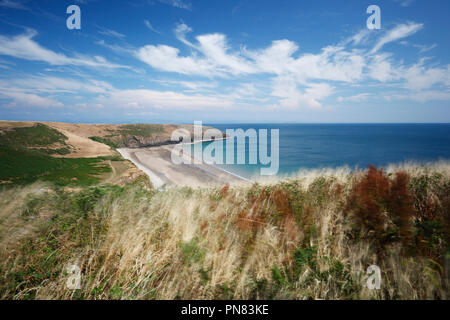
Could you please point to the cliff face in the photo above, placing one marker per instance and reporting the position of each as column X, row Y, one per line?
column 140, row 142
column 152, row 141
column 162, row 137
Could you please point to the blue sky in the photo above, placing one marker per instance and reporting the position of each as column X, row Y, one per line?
column 225, row 61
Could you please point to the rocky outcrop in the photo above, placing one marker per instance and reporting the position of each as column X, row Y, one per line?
column 152, row 141
column 142, row 142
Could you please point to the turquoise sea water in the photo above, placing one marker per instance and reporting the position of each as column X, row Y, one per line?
column 355, row 145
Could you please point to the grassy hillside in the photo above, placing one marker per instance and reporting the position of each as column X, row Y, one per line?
column 25, row 157
column 36, row 135
column 307, row 237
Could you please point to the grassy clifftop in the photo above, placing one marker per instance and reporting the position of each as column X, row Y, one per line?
column 139, row 135
column 113, row 135
column 309, row 237
column 31, row 151
column 26, row 155
column 35, row 135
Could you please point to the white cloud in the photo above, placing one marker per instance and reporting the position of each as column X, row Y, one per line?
column 277, row 58
column 113, row 47
column 111, row 33
column 286, row 88
column 415, row 78
column 178, row 4
column 380, row 68
column 333, row 63
column 361, row 37
column 24, row 47
column 288, row 77
column 399, row 32
column 214, row 48
column 50, row 84
column 28, row 100
column 181, row 30
column 356, row 98
column 167, row 58
column 404, row 3
column 150, row 27
column 419, row 77
column 424, row 48
column 211, row 56
column 215, row 60
column 36, row 91
column 192, row 85
column 151, row 99
column 422, row 96
column 13, row 4
column 246, row 90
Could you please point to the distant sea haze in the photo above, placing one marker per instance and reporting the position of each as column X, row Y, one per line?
column 315, row 146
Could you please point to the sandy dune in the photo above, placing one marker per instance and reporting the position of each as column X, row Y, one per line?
column 80, row 145
column 84, row 147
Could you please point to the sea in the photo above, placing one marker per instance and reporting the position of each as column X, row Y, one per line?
column 319, row 146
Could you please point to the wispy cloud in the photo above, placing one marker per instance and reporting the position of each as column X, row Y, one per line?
column 165, row 58
column 114, row 47
column 419, row 77
column 422, row 96
column 181, row 30
column 355, row 98
column 13, row 4
column 399, row 32
column 192, row 85
column 404, row 3
column 53, row 85
column 152, row 99
column 24, row 47
column 111, row 33
column 150, row 27
column 182, row 4
column 425, row 48
column 21, row 99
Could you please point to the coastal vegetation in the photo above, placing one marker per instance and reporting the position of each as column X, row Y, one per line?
column 32, row 136
column 26, row 155
column 311, row 236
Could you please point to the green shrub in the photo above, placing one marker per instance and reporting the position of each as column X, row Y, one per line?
column 191, row 251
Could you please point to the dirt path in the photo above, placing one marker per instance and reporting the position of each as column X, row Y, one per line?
column 113, row 172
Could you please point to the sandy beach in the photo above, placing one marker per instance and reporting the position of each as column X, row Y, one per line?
column 156, row 162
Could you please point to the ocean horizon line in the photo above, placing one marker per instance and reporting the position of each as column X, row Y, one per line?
column 166, row 121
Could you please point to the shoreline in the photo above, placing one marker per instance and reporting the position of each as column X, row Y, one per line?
column 218, row 168
column 157, row 164
column 156, row 181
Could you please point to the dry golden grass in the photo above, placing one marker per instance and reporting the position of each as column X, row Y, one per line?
column 288, row 240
